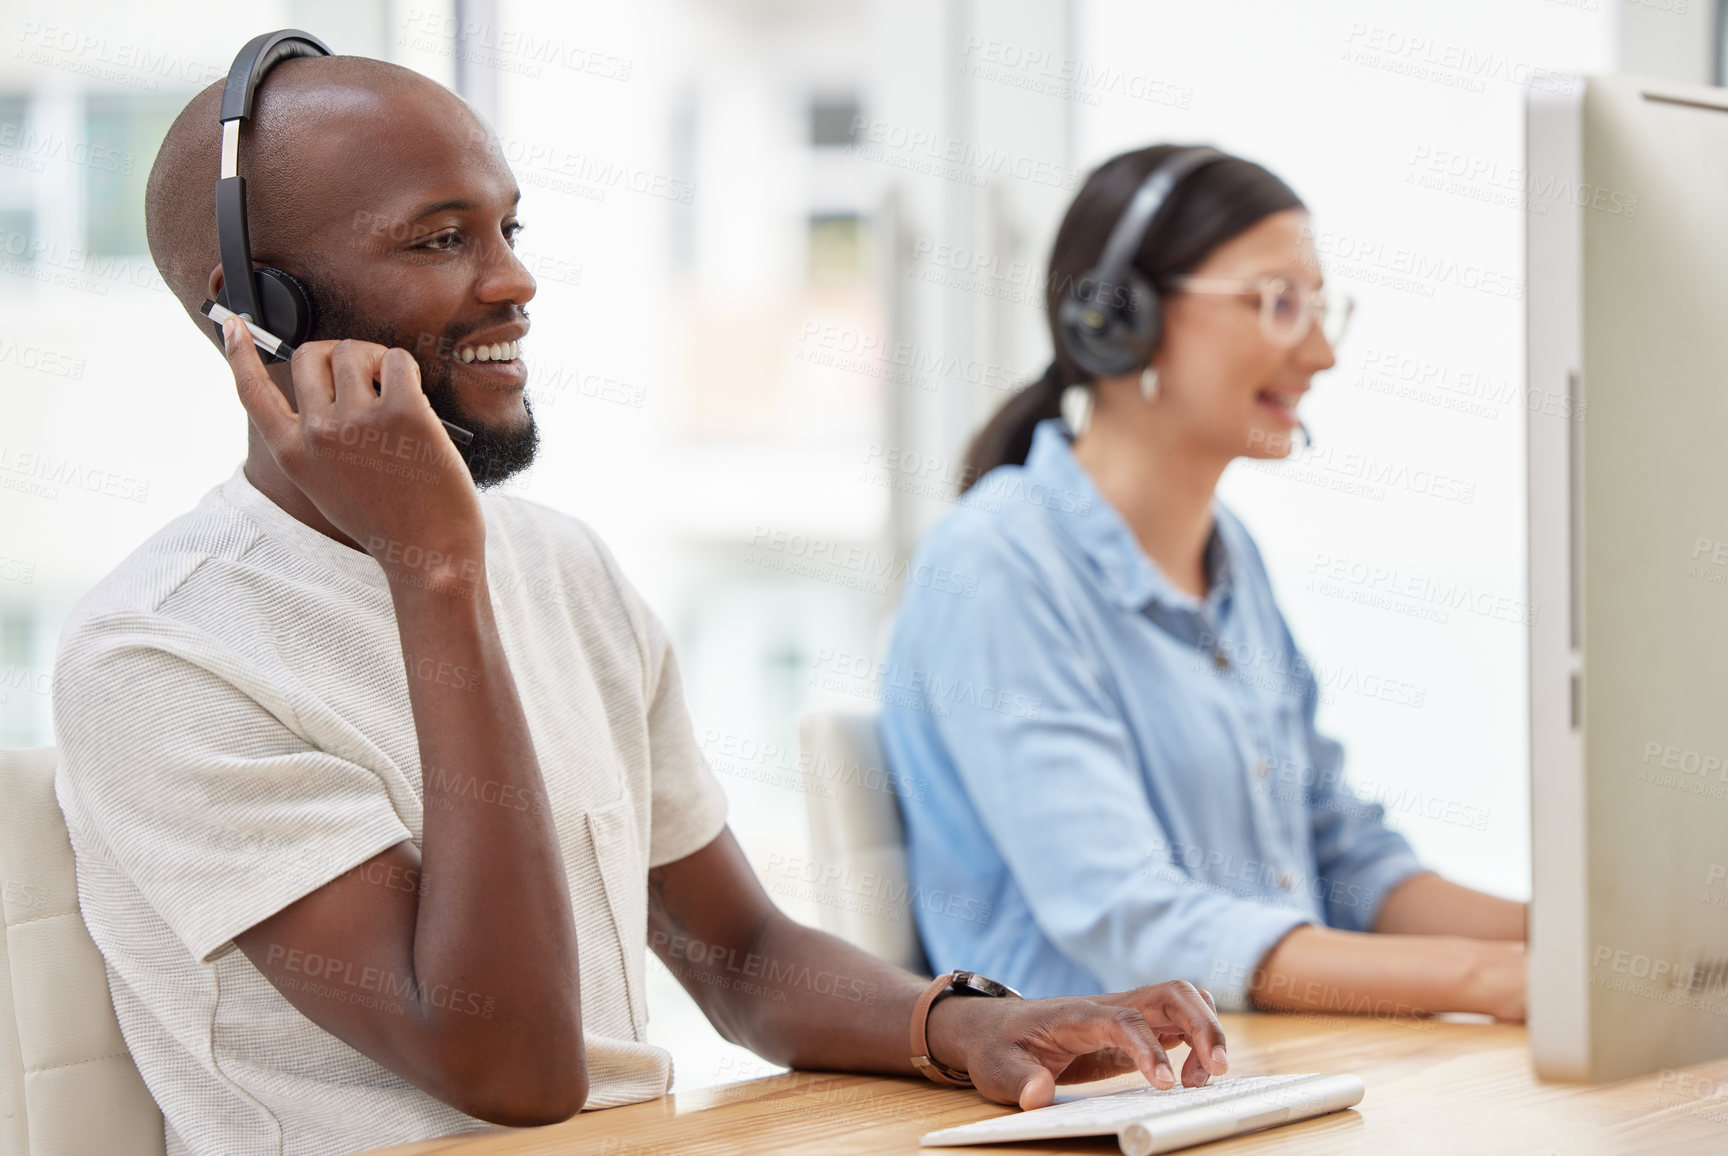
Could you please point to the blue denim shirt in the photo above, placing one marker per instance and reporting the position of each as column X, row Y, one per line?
column 1122, row 782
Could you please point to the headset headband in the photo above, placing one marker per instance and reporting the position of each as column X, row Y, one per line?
column 261, row 54
column 1137, row 218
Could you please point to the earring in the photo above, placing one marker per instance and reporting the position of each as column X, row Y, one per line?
column 1077, row 408
column 1149, row 385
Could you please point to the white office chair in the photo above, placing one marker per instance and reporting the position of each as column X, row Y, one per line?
column 68, row 1086
column 858, row 833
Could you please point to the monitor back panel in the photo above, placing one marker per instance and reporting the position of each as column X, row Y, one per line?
column 1629, row 548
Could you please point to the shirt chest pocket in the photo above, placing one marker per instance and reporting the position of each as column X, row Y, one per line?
column 608, row 876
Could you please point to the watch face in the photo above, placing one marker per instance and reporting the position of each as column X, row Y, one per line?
column 971, row 983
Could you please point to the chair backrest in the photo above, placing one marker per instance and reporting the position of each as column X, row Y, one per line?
column 68, row 1086
column 857, row 839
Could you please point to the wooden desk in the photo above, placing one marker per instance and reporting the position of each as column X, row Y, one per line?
column 1431, row 1087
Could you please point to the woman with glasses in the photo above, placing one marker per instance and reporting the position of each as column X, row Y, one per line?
column 1104, row 731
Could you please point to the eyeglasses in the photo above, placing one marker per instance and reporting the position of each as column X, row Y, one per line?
column 1287, row 310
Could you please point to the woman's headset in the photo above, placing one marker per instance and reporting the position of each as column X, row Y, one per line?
column 1112, row 318
column 270, row 297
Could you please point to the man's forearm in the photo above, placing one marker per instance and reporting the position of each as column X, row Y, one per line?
column 803, row 998
column 789, row 993
column 494, row 917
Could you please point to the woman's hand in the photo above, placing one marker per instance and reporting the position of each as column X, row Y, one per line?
column 1501, row 980
column 1017, row 1051
column 376, row 463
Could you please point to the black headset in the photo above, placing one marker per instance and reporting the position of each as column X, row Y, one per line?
column 270, row 297
column 1111, row 319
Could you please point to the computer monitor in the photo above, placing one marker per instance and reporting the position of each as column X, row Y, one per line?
column 1627, row 188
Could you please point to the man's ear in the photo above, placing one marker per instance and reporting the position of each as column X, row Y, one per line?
column 213, row 287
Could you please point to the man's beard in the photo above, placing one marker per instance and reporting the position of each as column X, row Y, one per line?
column 494, row 454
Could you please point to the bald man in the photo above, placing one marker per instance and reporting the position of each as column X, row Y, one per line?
column 379, row 786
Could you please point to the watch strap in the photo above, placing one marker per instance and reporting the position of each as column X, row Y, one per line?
column 921, row 1059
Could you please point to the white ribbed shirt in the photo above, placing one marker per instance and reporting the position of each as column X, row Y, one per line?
column 232, row 713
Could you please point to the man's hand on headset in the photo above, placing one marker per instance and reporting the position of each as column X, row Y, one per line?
column 376, row 463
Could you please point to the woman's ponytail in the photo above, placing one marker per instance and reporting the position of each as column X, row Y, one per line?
column 1006, row 438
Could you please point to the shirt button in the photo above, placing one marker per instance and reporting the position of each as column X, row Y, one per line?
column 1286, row 880
column 1220, row 660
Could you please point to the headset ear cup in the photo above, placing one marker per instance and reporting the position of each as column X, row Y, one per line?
column 1112, row 338
column 286, row 305
column 1078, row 333
column 1142, row 323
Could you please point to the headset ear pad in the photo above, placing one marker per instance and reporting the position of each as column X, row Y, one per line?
column 1111, row 330
column 285, row 303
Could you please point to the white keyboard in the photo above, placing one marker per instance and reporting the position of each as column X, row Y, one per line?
column 1147, row 1120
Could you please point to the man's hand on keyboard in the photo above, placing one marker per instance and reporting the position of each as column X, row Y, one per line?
column 1017, row 1051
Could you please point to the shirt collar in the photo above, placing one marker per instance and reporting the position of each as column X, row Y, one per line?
column 1130, row 578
